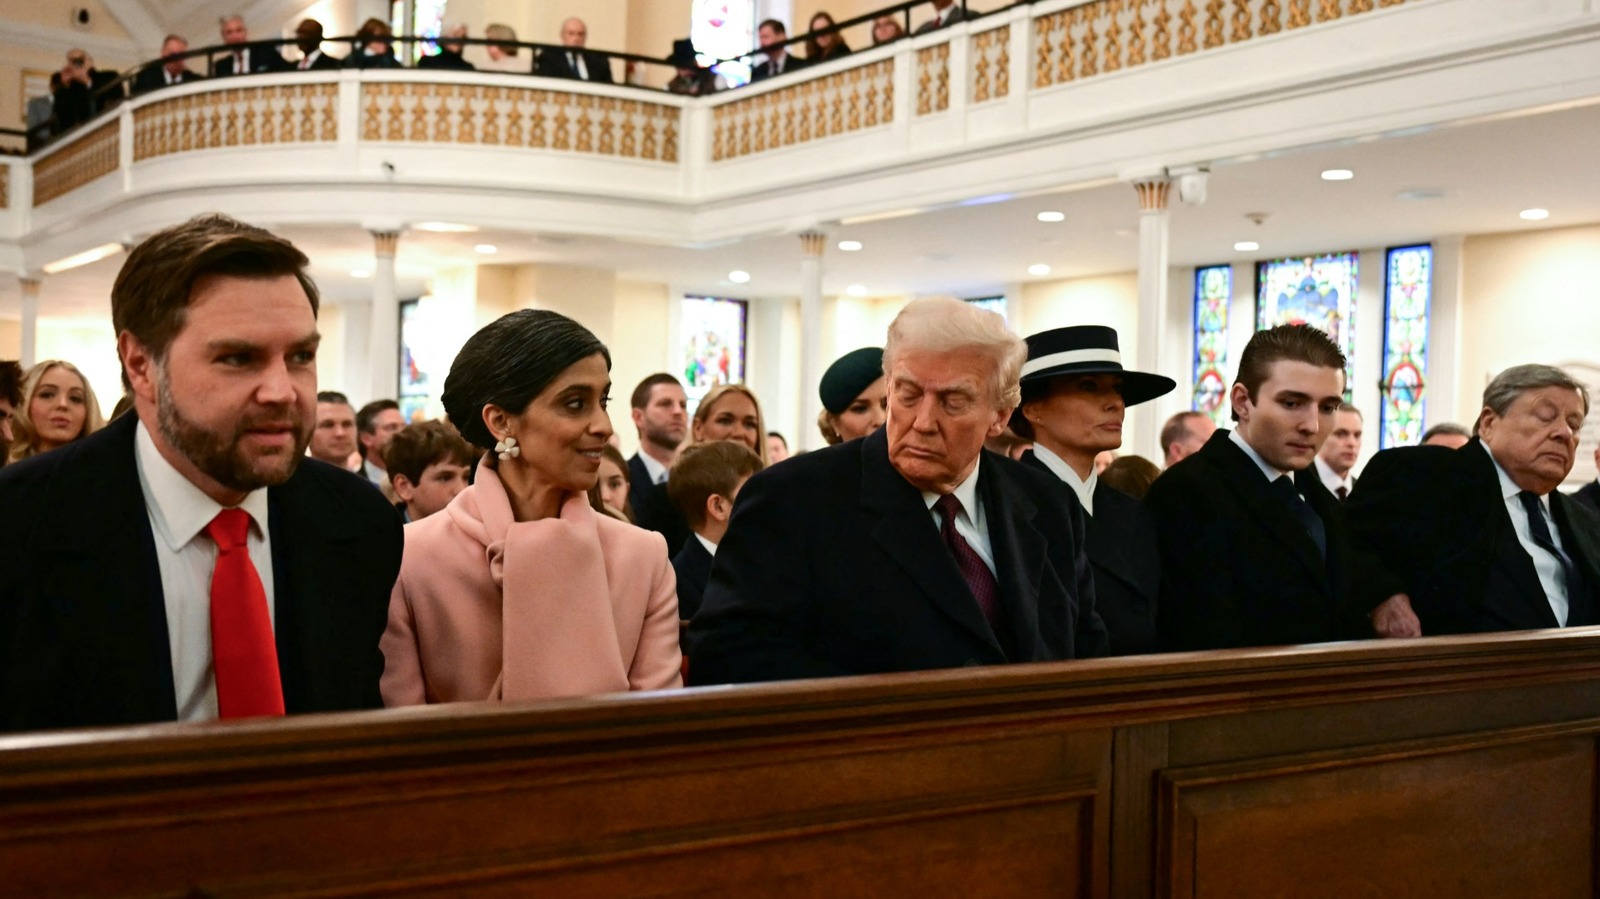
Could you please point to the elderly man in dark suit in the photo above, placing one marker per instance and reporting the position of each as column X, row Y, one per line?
column 1479, row 538
column 243, row 57
column 573, row 60
column 1253, row 546
column 911, row 548
column 169, row 70
column 1075, row 395
column 188, row 562
column 945, row 12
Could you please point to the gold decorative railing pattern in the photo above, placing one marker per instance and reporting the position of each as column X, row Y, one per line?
column 91, row 156
column 843, row 102
column 1107, row 35
column 991, row 64
column 933, row 79
column 237, row 117
column 422, row 112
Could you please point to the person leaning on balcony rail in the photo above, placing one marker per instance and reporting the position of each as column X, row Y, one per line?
column 373, row 47
column 519, row 589
column 886, row 30
column 779, row 60
column 450, row 49
column 167, row 71
column 824, row 41
column 76, row 91
column 308, row 37
column 243, row 57
column 504, row 54
column 572, row 60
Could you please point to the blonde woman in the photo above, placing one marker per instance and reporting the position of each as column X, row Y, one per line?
column 59, row 407
column 728, row 412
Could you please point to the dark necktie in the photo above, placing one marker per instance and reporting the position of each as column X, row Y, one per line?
column 1343, row 493
column 977, row 575
column 1303, row 513
column 1539, row 529
column 244, row 654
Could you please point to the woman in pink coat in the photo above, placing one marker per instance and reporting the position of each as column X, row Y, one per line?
column 519, row 590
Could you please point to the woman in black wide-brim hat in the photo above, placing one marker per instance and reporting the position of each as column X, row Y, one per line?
column 1075, row 395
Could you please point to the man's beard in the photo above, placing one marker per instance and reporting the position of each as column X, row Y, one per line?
column 662, row 437
column 220, row 457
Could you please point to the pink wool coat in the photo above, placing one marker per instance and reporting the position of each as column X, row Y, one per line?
column 489, row 608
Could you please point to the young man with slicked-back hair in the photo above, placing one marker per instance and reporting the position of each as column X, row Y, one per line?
column 1253, row 546
column 188, row 562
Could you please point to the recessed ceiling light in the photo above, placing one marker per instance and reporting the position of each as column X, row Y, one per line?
column 738, row 277
column 1052, row 216
column 1534, row 215
column 1039, row 269
column 360, row 273
column 850, row 246
column 1338, row 175
column 445, row 227
column 856, row 290
column 1246, row 246
column 486, row 248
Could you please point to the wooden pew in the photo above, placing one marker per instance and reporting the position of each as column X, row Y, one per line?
column 1446, row 767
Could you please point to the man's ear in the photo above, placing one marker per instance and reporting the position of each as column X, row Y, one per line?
column 1239, row 397
column 998, row 427
column 718, row 508
column 638, row 418
column 139, row 366
column 404, row 490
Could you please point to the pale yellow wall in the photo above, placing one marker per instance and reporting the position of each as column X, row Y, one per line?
column 10, row 339
column 1527, row 297
column 52, row 14
column 56, row 14
column 652, row 25
column 90, row 346
column 638, row 348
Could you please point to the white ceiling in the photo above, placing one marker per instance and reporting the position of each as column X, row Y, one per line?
column 1480, row 173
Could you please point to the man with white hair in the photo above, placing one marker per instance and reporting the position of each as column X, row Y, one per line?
column 912, row 548
column 573, row 60
column 1478, row 538
column 242, row 56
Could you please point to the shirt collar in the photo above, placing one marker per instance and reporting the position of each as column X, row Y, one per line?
column 966, row 493
column 1059, row 467
column 1508, row 487
column 710, row 547
column 656, row 469
column 1331, row 479
column 179, row 509
column 1267, row 471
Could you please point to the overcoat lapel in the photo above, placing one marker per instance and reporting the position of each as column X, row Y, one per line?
column 1019, row 558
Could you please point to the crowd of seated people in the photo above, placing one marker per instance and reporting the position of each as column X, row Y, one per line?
column 505, row 563
column 79, row 91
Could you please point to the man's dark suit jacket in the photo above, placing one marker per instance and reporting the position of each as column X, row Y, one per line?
column 1589, row 495
column 1431, row 522
column 323, row 62
column 693, row 567
column 832, row 565
column 153, row 78
column 791, row 63
column 447, row 60
column 639, row 483
column 1237, row 567
column 263, row 58
column 956, row 15
column 83, row 628
column 554, row 63
column 1121, row 544
column 658, row 513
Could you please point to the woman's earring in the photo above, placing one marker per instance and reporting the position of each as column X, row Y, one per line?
column 507, row 448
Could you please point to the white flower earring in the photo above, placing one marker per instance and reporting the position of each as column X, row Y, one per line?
column 507, row 448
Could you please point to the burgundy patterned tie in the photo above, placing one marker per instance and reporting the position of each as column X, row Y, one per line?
column 977, row 575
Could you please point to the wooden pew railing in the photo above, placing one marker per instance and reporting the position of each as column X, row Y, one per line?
column 1446, row 767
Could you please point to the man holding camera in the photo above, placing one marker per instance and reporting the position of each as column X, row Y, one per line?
column 76, row 91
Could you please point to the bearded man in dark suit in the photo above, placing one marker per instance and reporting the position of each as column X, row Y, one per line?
column 911, row 548
column 1479, row 538
column 1253, row 546
column 188, row 562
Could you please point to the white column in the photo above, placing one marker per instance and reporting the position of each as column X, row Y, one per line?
column 383, row 350
column 30, row 321
column 1153, row 224
column 810, row 335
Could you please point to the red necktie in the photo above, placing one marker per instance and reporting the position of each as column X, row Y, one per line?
column 977, row 575
column 242, row 648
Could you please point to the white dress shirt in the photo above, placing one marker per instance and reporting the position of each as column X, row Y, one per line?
column 373, row 473
column 1552, row 575
column 576, row 62
column 658, row 472
column 1058, row 466
column 1331, row 479
column 970, row 521
column 710, row 547
column 179, row 512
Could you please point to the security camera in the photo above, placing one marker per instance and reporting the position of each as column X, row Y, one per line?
column 80, row 17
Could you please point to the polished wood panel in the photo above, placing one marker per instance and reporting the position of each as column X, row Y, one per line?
column 1446, row 767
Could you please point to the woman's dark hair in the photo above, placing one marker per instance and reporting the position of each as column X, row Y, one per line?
column 511, row 361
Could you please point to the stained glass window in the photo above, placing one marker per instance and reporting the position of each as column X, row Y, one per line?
column 713, row 345
column 1213, row 288
column 1406, row 298
column 724, row 29
column 1313, row 290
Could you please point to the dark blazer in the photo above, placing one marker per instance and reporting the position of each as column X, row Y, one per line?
column 360, row 60
column 1237, row 568
column 956, row 15
column 321, row 63
column 263, row 58
column 658, row 513
column 639, row 483
column 693, row 566
column 1589, row 495
column 73, row 104
column 553, row 63
column 832, row 565
column 152, row 78
column 83, row 628
column 1121, row 544
column 791, row 63
column 447, row 60
column 1431, row 522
